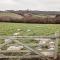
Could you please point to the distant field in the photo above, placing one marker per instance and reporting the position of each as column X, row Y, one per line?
column 28, row 29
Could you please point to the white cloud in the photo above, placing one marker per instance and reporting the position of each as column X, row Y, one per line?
column 6, row 2
column 30, row 4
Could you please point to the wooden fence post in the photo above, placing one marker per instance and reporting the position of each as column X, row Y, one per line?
column 56, row 44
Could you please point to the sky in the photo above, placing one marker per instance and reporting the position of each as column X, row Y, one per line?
column 42, row 5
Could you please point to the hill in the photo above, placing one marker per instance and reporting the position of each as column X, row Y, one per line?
column 8, row 16
column 25, row 16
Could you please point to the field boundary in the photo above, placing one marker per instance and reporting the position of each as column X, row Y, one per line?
column 55, row 37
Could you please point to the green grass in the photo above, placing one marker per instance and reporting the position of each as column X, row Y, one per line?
column 36, row 29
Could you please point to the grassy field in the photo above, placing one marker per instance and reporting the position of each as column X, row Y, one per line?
column 28, row 29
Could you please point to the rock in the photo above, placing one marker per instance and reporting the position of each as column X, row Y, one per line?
column 43, row 41
column 51, row 42
column 39, row 49
column 15, row 48
column 8, row 40
column 28, row 30
column 51, row 49
column 48, row 53
column 18, row 29
column 16, row 33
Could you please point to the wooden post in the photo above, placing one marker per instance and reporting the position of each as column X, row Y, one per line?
column 56, row 45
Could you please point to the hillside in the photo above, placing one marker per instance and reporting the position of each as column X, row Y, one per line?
column 8, row 16
column 30, row 17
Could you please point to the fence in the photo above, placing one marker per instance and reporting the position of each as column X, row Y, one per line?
column 33, row 46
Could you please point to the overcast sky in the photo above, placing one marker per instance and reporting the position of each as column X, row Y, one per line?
column 45, row 5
